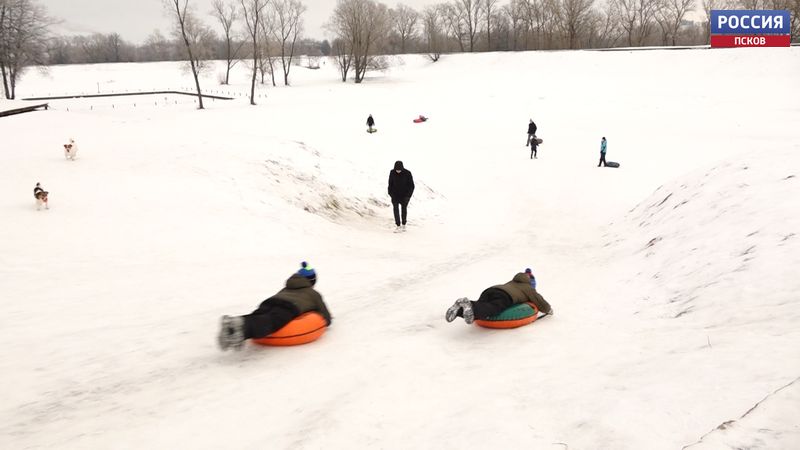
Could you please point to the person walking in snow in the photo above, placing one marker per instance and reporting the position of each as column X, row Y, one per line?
column 603, row 146
column 370, row 123
column 401, row 188
column 498, row 298
column 531, row 132
column 274, row 313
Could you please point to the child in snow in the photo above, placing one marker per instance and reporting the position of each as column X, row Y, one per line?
column 603, row 146
column 274, row 313
column 497, row 299
column 370, row 122
column 534, row 147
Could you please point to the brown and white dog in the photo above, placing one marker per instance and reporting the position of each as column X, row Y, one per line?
column 41, row 197
column 70, row 150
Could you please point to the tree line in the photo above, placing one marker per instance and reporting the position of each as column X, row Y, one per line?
column 266, row 35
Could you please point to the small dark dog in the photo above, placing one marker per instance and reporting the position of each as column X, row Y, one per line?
column 41, row 197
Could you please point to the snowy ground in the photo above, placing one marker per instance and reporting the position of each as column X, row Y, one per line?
column 673, row 279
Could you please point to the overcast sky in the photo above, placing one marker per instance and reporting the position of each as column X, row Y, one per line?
column 134, row 20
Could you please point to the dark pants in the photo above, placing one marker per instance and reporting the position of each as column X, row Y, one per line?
column 270, row 317
column 533, row 151
column 602, row 160
column 492, row 302
column 399, row 205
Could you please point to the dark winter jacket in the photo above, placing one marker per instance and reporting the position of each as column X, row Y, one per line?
column 299, row 292
column 520, row 291
column 531, row 128
column 370, row 121
column 401, row 185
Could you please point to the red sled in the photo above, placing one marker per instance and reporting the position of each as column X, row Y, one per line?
column 420, row 119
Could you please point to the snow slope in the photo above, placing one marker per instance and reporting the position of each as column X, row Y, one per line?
column 673, row 278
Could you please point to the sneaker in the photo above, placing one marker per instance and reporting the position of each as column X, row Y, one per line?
column 231, row 333
column 404, row 227
column 452, row 312
column 467, row 312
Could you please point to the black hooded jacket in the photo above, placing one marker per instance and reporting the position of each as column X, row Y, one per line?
column 370, row 121
column 401, row 185
column 532, row 128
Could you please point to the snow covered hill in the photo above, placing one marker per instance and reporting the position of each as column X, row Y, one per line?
column 673, row 278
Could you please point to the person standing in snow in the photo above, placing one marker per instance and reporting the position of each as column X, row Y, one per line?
column 603, row 146
column 401, row 188
column 531, row 133
column 370, row 122
column 274, row 313
column 498, row 298
column 534, row 147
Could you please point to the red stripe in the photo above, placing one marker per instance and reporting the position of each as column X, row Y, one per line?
column 726, row 40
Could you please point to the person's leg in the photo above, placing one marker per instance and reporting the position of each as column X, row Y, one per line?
column 603, row 159
column 396, row 208
column 535, row 151
column 267, row 319
column 405, row 210
column 491, row 303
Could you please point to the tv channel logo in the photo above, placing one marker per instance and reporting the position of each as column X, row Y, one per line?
column 750, row 28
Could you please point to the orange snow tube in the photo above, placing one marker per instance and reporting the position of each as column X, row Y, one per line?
column 307, row 327
column 513, row 317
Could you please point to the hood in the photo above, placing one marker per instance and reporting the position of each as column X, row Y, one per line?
column 298, row 281
column 398, row 165
column 521, row 278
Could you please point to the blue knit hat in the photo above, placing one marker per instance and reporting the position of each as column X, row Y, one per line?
column 307, row 272
column 529, row 272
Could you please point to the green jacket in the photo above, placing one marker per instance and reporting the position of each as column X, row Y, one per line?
column 300, row 293
column 520, row 291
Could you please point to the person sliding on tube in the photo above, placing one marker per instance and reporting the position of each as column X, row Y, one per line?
column 274, row 313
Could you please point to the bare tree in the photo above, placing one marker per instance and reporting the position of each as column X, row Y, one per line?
column 404, row 21
column 432, row 25
column 288, row 27
column 344, row 56
column 23, row 40
column 453, row 25
column 672, row 13
column 469, row 14
column 607, row 25
column 227, row 15
column 266, row 61
column 572, row 18
column 514, row 15
column 252, row 11
column 195, row 37
column 364, row 24
column 708, row 6
column 489, row 10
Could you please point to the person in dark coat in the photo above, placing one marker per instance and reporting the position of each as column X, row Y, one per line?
column 274, row 313
column 370, row 122
column 531, row 132
column 603, row 146
column 534, row 147
column 497, row 299
column 401, row 188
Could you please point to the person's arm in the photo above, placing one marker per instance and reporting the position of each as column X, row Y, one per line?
column 411, row 178
column 389, row 189
column 542, row 304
